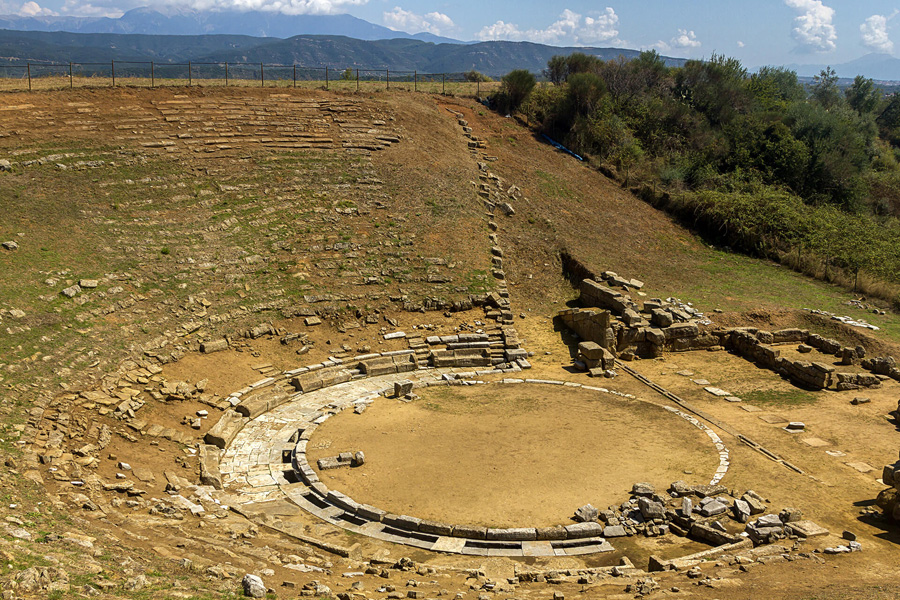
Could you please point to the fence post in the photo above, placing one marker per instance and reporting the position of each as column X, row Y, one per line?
column 443, row 83
column 326, row 77
column 152, row 75
column 29, row 76
column 113, row 73
column 190, row 75
column 295, row 75
column 70, row 76
column 226, row 74
column 388, row 78
column 357, row 80
column 262, row 76
column 415, row 81
column 478, row 86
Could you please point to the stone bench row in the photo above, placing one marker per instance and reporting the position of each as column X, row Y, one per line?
column 435, row 542
column 259, row 398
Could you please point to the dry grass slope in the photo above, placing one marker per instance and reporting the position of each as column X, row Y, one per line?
column 151, row 221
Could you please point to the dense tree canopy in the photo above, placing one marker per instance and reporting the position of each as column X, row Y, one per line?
column 721, row 137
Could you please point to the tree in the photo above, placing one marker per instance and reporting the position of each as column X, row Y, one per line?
column 626, row 80
column 650, row 60
column 585, row 90
column 579, row 62
column 862, row 95
column 825, row 88
column 889, row 121
column 348, row 75
column 516, row 85
column 776, row 87
column 841, row 144
column 714, row 87
column 474, row 76
column 557, row 69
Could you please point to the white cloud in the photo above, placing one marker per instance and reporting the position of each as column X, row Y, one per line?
column 404, row 20
column 33, row 9
column 685, row 39
column 115, row 8
column 813, row 28
column 740, row 44
column 287, row 7
column 602, row 28
column 85, row 9
column 875, row 35
column 570, row 28
column 500, row 31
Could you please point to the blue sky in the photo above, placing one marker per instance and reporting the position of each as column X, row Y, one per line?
column 758, row 33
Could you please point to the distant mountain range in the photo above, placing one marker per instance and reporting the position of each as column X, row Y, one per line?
column 338, row 52
column 148, row 21
column 334, row 40
column 880, row 67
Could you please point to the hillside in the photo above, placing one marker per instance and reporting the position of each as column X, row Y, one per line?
column 18, row 47
column 880, row 67
column 147, row 21
column 202, row 287
column 492, row 58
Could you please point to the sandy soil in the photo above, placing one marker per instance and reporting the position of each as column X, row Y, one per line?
column 498, row 455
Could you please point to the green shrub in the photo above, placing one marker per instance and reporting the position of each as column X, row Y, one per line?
column 515, row 88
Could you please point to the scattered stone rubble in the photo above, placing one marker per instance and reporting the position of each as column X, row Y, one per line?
column 614, row 325
column 631, row 329
column 847, row 320
column 889, row 499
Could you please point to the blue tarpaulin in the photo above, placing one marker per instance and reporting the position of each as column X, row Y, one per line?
column 561, row 147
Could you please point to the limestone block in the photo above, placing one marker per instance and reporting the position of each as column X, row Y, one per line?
column 469, row 531
column 222, row 433
column 650, row 509
column 681, row 331
column 654, row 336
column 586, row 513
column 214, row 346
column 790, row 335
column 209, row 466
column 661, row 318
column 583, row 530
column 590, row 350
column 551, row 533
column 402, row 388
column 524, row 534
column 436, row 528
column 631, row 317
column 709, row 534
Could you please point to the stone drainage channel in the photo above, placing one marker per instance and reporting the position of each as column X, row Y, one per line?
column 266, row 461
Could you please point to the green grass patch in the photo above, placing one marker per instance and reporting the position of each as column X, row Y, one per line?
column 552, row 186
column 734, row 282
column 478, row 281
column 781, row 397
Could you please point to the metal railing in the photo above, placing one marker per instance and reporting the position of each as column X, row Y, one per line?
column 46, row 75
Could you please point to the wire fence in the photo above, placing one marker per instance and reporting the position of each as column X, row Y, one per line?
column 46, row 76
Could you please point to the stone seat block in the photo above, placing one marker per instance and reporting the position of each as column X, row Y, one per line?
column 222, row 433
